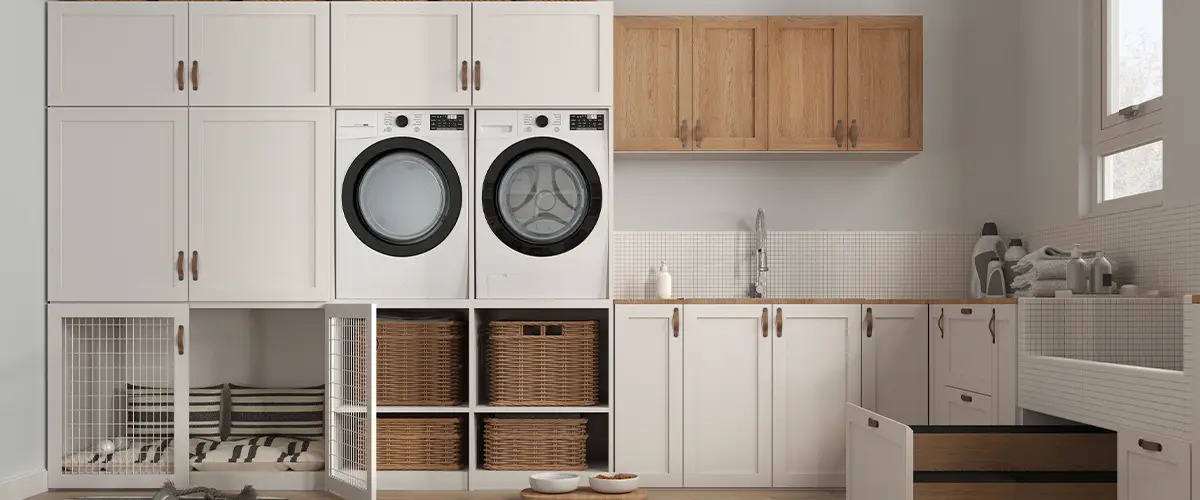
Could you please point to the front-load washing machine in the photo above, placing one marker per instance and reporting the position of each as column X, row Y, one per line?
column 541, row 186
column 402, row 192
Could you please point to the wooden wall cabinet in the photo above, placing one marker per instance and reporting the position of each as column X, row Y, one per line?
column 830, row 83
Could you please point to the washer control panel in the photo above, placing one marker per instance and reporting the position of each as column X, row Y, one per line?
column 589, row 121
column 447, row 122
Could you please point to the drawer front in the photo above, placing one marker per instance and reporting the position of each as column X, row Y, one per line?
column 961, row 407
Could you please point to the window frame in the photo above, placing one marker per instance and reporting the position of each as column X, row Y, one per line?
column 1114, row 133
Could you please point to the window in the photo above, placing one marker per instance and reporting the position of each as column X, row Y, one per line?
column 1127, row 134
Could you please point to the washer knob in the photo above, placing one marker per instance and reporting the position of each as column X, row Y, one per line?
column 542, row 121
column 401, row 121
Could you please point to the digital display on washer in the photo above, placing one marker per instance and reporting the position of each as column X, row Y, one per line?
column 587, row 122
column 447, row 122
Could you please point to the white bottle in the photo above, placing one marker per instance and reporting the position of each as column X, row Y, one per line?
column 663, row 285
column 1101, row 275
column 990, row 246
column 1077, row 272
column 995, row 279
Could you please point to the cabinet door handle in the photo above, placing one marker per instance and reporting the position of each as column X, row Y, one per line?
column 870, row 323
column 853, row 134
column 696, row 135
column 195, row 75
column 675, row 322
column 839, row 133
column 992, row 325
column 941, row 317
column 965, row 398
column 872, row 423
column 764, row 323
column 683, row 131
column 464, row 75
column 179, row 75
column 179, row 265
column 779, row 322
column 1150, row 446
column 478, row 75
column 179, row 340
column 195, row 265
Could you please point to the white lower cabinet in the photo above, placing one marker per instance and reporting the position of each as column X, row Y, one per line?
column 817, row 367
column 895, row 362
column 973, row 349
column 958, row 407
column 648, row 406
column 1152, row 467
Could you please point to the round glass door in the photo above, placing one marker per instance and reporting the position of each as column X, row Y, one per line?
column 402, row 201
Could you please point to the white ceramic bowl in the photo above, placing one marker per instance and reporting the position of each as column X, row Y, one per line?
column 554, row 482
column 612, row 485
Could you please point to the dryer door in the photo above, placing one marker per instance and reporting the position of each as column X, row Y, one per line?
column 402, row 196
column 542, row 196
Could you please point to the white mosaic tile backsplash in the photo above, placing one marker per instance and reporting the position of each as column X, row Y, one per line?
column 816, row 264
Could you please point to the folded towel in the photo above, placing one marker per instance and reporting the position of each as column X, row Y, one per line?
column 1046, row 269
column 1050, row 285
column 1033, row 293
column 1045, row 253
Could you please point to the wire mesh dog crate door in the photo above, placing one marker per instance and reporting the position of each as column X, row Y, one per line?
column 121, row 383
column 350, row 393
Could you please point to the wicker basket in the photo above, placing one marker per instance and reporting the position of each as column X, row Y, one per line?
column 543, row 363
column 420, row 363
column 419, row 443
column 535, row 443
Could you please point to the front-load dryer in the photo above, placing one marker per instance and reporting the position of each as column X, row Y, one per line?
column 542, row 196
column 402, row 197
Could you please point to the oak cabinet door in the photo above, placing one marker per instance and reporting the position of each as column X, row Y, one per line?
column 653, row 88
column 729, row 99
column 807, row 83
column 885, row 75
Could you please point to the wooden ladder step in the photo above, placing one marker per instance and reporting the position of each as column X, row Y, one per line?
column 1015, row 485
column 1014, row 448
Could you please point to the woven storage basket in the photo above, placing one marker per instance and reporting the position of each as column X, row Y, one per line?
column 419, row 363
column 411, row 443
column 535, row 443
column 543, row 363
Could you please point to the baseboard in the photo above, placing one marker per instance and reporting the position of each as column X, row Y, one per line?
column 24, row 486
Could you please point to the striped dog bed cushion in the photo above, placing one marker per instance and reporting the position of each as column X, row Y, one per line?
column 151, row 412
column 256, row 411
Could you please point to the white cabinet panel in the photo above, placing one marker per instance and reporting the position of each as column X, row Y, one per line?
column 259, row 53
column 879, row 463
column 401, row 53
column 965, row 351
column 350, row 401
column 116, row 205
column 896, row 362
column 648, row 409
column 817, row 367
column 261, row 204
column 116, row 53
column 958, row 407
column 727, row 396
column 543, row 54
column 1152, row 467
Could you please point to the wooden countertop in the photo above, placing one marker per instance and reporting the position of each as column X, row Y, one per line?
column 791, row 301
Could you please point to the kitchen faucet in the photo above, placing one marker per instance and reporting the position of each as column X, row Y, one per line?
column 759, row 289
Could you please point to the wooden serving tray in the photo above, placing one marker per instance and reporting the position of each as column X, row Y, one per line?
column 583, row 493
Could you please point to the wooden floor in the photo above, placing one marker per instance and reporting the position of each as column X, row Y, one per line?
column 490, row 495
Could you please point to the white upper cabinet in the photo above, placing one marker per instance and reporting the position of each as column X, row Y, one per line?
column 261, row 186
column 543, row 54
column 648, row 409
column 401, row 53
column 259, row 53
column 727, row 396
column 116, row 53
column 116, row 205
column 817, row 369
column 895, row 363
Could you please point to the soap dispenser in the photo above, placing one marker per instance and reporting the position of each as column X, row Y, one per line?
column 663, row 285
column 1077, row 272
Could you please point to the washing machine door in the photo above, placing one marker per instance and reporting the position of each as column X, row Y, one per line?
column 542, row 196
column 402, row 196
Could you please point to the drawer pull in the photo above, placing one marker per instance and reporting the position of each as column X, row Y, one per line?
column 872, row 423
column 966, row 311
column 1150, row 446
column 941, row 317
column 992, row 325
column 965, row 398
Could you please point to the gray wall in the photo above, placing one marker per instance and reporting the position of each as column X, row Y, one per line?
column 965, row 176
column 22, row 252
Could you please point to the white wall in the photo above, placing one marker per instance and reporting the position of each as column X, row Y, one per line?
column 963, row 177
column 22, row 250
column 265, row 348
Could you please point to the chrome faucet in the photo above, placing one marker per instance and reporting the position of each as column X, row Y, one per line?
column 759, row 289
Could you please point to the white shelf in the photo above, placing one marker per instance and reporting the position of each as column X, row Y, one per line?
column 515, row 480
column 541, row 409
column 421, row 480
column 542, row 304
column 421, row 409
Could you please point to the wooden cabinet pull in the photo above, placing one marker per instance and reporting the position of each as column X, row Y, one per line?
column 696, row 134
column 992, row 325
column 941, row 317
column 179, row 265
column 478, row 75
column 179, row 340
column 966, row 311
column 1150, row 446
column 965, row 398
column 779, row 322
column 195, row 75
column 675, row 322
column 870, row 323
column 872, row 423
column 839, row 133
column 764, row 323
column 853, row 134
column 464, row 75
column 195, row 265
column 683, row 130
column 179, row 75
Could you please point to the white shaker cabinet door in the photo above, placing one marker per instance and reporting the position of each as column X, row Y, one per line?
column 401, row 53
column 965, row 347
column 895, row 363
column 543, row 54
column 879, row 456
column 817, row 370
column 727, row 396
column 116, row 53
column 1151, row 467
column 260, row 205
column 116, row 205
column 259, row 53
column 648, row 409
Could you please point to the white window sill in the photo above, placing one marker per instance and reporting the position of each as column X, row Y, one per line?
column 1152, row 199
